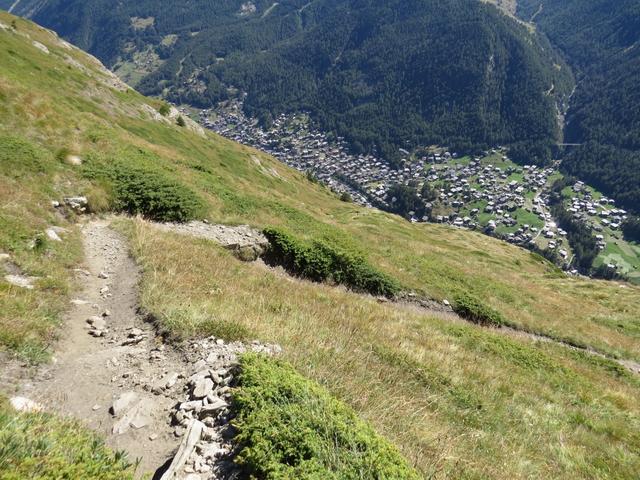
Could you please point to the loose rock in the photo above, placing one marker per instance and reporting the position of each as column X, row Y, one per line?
column 121, row 404
column 22, row 404
column 52, row 235
column 21, row 281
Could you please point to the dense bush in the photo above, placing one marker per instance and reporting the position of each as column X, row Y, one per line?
column 139, row 190
column 474, row 310
column 155, row 196
column 164, row 109
column 319, row 261
column 291, row 428
column 605, row 272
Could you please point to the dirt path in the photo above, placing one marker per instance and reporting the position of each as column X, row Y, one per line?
column 90, row 372
column 111, row 372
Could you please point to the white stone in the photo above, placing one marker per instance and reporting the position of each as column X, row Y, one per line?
column 74, row 160
column 22, row 404
column 193, row 405
column 203, row 388
column 216, row 405
column 20, row 281
column 121, row 404
column 97, row 322
column 41, row 47
column 139, row 416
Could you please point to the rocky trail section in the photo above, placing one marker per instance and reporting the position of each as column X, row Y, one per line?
column 245, row 242
column 112, row 372
column 169, row 408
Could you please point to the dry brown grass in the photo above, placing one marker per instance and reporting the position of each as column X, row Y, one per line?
column 459, row 401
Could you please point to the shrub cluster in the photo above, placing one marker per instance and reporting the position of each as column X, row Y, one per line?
column 139, row 190
column 289, row 427
column 319, row 261
column 155, row 196
column 474, row 310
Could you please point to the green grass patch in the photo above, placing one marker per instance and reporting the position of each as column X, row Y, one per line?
column 43, row 447
column 291, row 428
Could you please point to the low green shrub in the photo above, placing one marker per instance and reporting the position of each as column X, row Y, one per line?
column 319, row 261
column 20, row 157
column 291, row 428
column 473, row 309
column 164, row 109
column 155, row 196
column 41, row 446
column 141, row 190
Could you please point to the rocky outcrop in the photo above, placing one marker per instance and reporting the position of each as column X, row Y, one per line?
column 203, row 417
column 247, row 243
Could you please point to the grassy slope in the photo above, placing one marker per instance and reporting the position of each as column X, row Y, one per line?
column 59, row 107
column 456, row 399
column 460, row 401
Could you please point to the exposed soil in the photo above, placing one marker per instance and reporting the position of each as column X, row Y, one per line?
column 89, row 372
column 114, row 374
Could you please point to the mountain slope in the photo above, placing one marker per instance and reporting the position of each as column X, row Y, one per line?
column 383, row 74
column 602, row 42
column 459, row 400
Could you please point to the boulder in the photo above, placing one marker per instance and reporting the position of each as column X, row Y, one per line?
column 203, row 387
column 74, row 160
column 138, row 416
column 98, row 323
column 20, row 281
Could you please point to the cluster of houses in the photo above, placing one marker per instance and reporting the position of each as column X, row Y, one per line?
column 599, row 214
column 500, row 192
column 488, row 193
column 291, row 140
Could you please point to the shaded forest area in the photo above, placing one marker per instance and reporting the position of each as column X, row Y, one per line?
column 601, row 41
column 382, row 74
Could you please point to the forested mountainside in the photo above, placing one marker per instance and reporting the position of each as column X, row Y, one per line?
column 601, row 41
column 383, row 74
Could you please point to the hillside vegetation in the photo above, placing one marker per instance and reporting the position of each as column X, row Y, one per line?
column 458, row 400
column 601, row 40
column 383, row 74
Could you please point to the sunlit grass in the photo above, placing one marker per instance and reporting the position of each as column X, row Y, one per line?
column 460, row 401
column 42, row 447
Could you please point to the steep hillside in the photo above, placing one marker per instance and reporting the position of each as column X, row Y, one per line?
column 601, row 40
column 382, row 74
column 457, row 399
